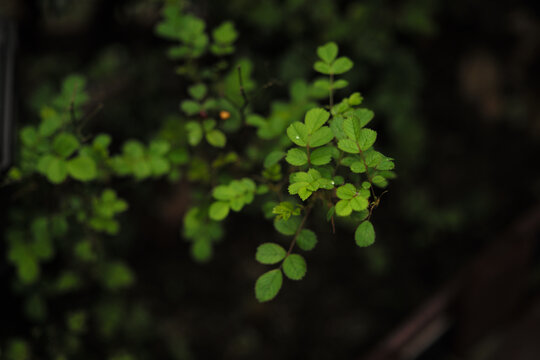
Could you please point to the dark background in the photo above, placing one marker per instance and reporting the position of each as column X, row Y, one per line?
column 455, row 89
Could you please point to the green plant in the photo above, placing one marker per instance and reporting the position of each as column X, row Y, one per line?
column 334, row 151
column 332, row 161
column 293, row 171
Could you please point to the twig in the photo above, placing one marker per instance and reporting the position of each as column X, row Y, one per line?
column 293, row 242
column 242, row 90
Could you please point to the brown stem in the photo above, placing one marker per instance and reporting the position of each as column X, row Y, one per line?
column 367, row 172
column 293, row 242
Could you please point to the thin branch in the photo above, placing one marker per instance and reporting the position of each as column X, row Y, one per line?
column 242, row 90
column 293, row 242
column 331, row 91
column 72, row 104
column 87, row 118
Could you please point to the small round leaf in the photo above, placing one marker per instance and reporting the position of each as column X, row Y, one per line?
column 365, row 234
column 82, row 168
column 268, row 285
column 270, row 253
column 306, row 240
column 294, row 267
column 219, row 210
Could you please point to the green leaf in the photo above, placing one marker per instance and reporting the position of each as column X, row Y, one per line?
column 82, row 168
column 359, row 203
column 358, row 167
column 117, row 275
column 225, row 33
column 322, row 84
column 133, row 148
column 322, row 67
column 29, row 136
column 42, row 246
column 363, row 116
column 337, row 127
column 321, row 156
column 364, row 234
column 328, row 52
column 255, row 120
column 352, row 128
column 159, row 147
column 386, row 164
column 287, row 227
column 294, row 267
column 65, row 144
column 355, row 99
column 305, row 183
column 306, row 240
column 268, row 285
column 159, row 165
column 208, row 124
column 50, row 124
column 367, row 139
column 340, row 84
column 201, row 250
column 296, row 157
column 190, row 107
column 373, row 158
column 55, row 169
column 330, row 213
column 321, row 137
column 379, row 181
column 223, row 192
column 195, row 132
column 178, row 156
column 16, row 349
column 270, row 253
column 197, row 91
column 84, row 250
column 338, row 180
column 348, row 145
column 273, row 158
column 218, row 210
column 102, row 141
column 73, row 92
column 285, row 210
column 342, row 65
column 343, row 208
column 315, row 118
column 298, row 133
column 216, row 138
column 346, row 192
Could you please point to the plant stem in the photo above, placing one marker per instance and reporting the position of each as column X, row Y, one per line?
column 300, row 227
column 331, row 92
column 367, row 172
